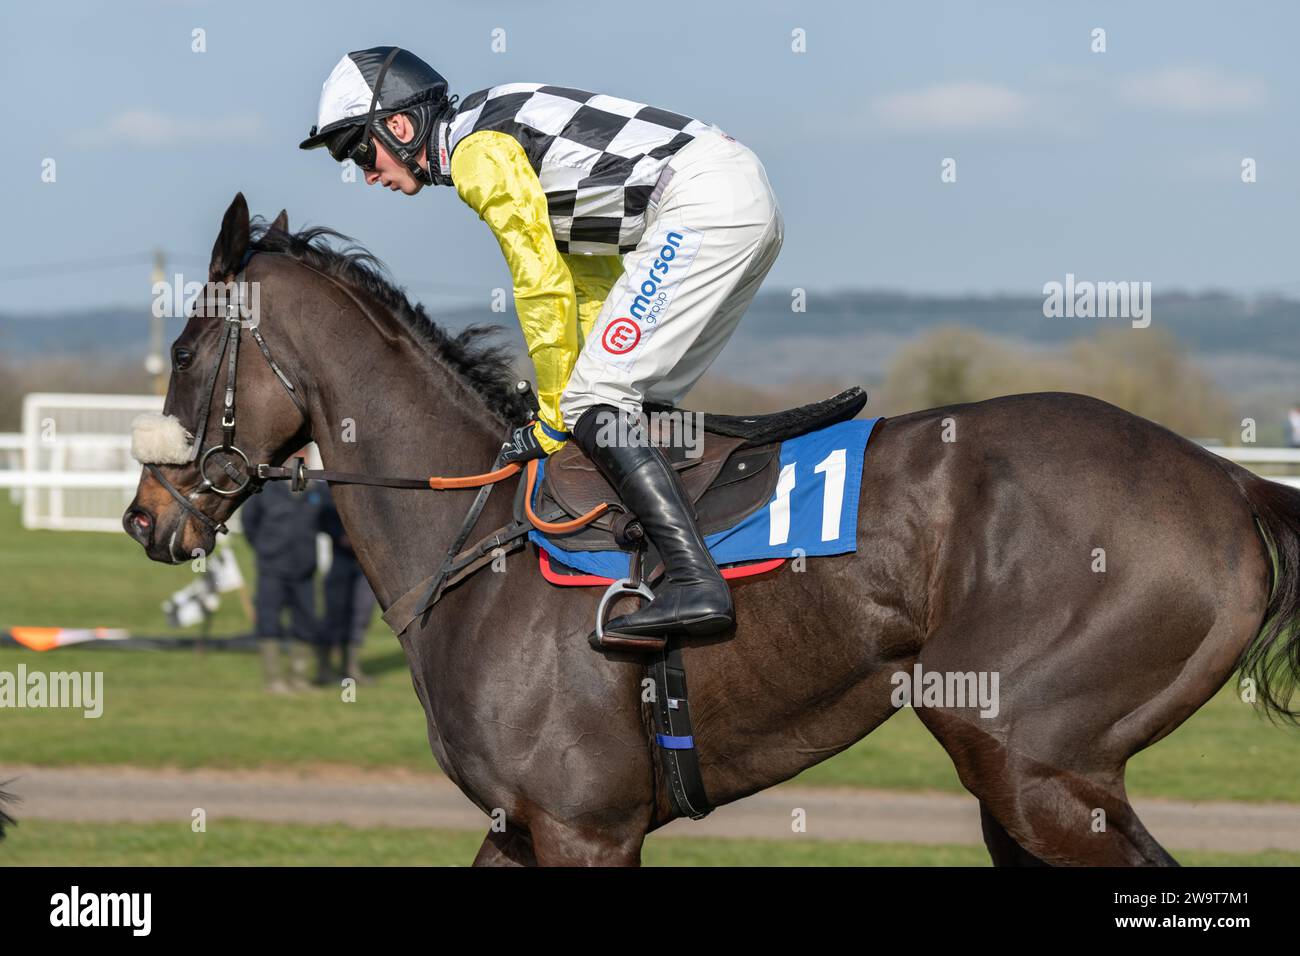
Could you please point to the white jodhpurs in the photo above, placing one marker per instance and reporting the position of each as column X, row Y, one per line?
column 713, row 230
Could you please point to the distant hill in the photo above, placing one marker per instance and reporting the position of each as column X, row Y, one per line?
column 1205, row 322
column 1249, row 345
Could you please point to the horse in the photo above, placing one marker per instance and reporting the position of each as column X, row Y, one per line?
column 1112, row 574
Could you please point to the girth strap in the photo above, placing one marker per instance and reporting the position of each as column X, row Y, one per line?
column 675, row 734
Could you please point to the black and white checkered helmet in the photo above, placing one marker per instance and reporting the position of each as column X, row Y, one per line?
column 384, row 80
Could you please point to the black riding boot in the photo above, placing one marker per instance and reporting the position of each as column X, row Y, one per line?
column 693, row 599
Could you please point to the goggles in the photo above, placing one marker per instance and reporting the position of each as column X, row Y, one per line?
column 354, row 143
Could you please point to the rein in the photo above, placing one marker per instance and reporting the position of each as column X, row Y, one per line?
column 298, row 474
column 459, row 562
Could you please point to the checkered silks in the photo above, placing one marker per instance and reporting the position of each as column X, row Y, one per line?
column 597, row 157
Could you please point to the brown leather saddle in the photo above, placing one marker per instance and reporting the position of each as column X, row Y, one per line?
column 729, row 473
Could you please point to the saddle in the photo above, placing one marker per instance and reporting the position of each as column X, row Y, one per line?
column 733, row 474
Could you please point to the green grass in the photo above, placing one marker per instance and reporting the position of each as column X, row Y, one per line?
column 176, row 708
column 95, row 579
column 244, row 843
column 187, row 710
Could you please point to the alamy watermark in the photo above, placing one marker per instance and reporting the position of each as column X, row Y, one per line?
column 129, row 910
column 922, row 688
column 670, row 429
column 78, row 690
column 1102, row 300
column 177, row 299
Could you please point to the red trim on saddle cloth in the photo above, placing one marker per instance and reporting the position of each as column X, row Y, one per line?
column 586, row 580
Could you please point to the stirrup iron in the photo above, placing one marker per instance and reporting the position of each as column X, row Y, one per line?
column 634, row 583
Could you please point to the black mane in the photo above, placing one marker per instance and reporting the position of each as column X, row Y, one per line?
column 484, row 366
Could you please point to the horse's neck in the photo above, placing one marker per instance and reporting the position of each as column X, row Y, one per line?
column 385, row 409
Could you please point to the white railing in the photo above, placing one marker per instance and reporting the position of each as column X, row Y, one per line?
column 11, row 461
column 76, row 472
column 1263, row 456
column 23, row 480
column 71, row 466
column 77, row 453
column 1255, row 457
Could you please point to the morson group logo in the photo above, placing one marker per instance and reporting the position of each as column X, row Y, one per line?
column 621, row 336
column 652, row 297
column 654, row 294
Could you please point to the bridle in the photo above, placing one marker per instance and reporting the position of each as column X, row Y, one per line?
column 247, row 474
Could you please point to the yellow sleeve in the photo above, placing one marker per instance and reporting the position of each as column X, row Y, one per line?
column 492, row 175
column 593, row 277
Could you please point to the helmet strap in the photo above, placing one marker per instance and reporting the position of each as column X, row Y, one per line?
column 427, row 118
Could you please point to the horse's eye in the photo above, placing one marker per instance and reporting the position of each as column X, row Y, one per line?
column 181, row 358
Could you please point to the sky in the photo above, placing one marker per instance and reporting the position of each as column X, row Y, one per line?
column 1117, row 165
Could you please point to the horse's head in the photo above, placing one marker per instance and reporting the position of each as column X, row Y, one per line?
column 196, row 464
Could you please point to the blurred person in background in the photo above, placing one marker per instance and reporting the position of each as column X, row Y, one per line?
column 1293, row 426
column 349, row 604
column 281, row 527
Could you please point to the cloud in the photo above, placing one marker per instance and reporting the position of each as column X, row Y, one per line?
column 147, row 128
column 1193, row 91
column 953, row 107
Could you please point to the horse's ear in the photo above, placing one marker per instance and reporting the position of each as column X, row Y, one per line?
column 281, row 223
column 228, row 251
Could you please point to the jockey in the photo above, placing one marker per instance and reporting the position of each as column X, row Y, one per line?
column 636, row 237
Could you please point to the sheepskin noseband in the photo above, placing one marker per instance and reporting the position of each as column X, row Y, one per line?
column 158, row 439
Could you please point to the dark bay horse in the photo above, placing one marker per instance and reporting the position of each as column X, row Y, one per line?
column 1113, row 574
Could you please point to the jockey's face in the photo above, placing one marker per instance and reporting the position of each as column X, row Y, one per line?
column 388, row 171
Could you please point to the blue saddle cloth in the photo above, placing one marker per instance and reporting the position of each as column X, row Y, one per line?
column 813, row 510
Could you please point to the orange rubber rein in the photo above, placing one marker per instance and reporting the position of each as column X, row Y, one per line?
column 505, row 471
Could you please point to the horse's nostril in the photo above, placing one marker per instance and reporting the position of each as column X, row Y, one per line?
column 139, row 523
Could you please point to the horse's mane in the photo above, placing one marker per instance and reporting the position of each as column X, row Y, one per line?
column 480, row 363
